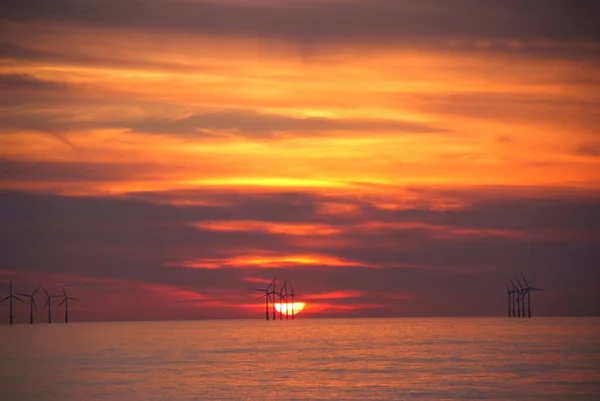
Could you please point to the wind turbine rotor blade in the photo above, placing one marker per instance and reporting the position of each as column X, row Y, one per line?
column 5, row 298
column 519, row 282
column 63, row 301
column 44, row 288
column 46, row 304
column 24, row 295
column 18, row 299
column 524, row 279
column 63, row 290
column 73, row 299
column 36, row 290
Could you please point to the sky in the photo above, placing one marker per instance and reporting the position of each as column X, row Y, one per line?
column 161, row 158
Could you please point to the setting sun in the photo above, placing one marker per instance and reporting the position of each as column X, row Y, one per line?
column 294, row 308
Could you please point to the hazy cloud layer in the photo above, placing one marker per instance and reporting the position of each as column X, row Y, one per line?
column 142, row 241
column 246, row 123
column 251, row 123
column 379, row 20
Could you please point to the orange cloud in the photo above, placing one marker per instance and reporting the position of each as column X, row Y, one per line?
column 268, row 227
column 315, row 308
column 267, row 261
column 335, row 295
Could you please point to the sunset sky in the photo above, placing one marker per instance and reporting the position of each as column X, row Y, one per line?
column 159, row 158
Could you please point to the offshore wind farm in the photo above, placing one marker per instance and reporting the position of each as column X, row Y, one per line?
column 280, row 302
column 32, row 304
column 334, row 358
column 516, row 297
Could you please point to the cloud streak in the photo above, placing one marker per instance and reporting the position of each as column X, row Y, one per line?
column 333, row 20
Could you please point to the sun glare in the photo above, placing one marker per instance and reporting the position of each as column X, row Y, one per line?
column 294, row 308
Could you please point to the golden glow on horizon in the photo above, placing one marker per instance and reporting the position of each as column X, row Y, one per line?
column 289, row 307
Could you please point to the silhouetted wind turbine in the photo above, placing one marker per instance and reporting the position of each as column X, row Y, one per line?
column 10, row 298
column 293, row 294
column 273, row 293
column 66, row 302
column 529, row 289
column 266, row 290
column 515, row 291
column 285, row 299
column 523, row 291
column 509, row 292
column 281, row 297
column 48, row 303
column 31, row 302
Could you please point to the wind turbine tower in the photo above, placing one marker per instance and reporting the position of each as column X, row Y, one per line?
column 509, row 292
column 266, row 290
column 66, row 302
column 273, row 293
column 529, row 289
column 518, row 295
column 281, row 299
column 10, row 298
column 31, row 302
column 523, row 292
column 48, row 303
column 292, row 294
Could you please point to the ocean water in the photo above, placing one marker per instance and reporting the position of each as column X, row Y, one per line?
column 304, row 359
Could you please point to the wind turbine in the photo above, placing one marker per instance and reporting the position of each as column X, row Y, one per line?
column 292, row 294
column 10, row 298
column 285, row 298
column 48, row 303
column 523, row 292
column 529, row 289
column 273, row 293
column 66, row 302
column 282, row 297
column 31, row 302
column 267, row 295
column 518, row 293
column 509, row 292
column 287, row 304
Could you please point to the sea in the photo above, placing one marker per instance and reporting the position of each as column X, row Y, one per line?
column 541, row 358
